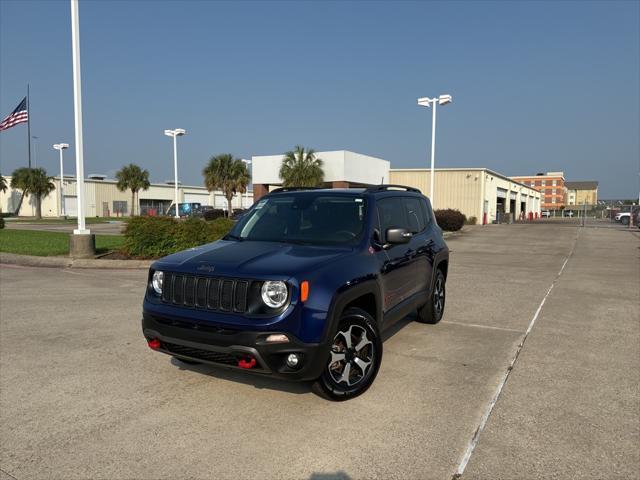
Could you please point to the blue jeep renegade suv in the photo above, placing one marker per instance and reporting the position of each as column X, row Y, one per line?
column 302, row 286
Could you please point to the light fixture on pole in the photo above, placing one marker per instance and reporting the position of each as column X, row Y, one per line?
column 178, row 132
column 246, row 190
column 60, row 147
column 432, row 102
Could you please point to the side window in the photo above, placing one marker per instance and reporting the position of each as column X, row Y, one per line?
column 391, row 212
column 426, row 211
column 415, row 214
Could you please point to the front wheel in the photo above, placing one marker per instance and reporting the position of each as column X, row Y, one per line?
column 433, row 310
column 354, row 358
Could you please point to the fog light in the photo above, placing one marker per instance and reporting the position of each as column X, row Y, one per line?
column 277, row 338
column 293, row 360
column 154, row 344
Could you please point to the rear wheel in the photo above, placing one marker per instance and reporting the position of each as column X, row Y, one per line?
column 354, row 358
column 433, row 310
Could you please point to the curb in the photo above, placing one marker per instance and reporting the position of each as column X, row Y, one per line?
column 67, row 262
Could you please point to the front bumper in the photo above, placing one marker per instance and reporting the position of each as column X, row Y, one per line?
column 227, row 347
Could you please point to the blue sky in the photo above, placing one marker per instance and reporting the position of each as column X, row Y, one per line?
column 536, row 85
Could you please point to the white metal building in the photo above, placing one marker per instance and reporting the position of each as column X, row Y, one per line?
column 105, row 200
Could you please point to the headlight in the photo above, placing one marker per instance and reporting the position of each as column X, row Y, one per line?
column 156, row 282
column 274, row 294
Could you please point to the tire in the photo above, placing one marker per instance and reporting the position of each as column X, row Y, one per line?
column 624, row 220
column 187, row 362
column 433, row 311
column 354, row 357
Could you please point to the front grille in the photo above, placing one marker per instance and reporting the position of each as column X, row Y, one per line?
column 209, row 356
column 211, row 293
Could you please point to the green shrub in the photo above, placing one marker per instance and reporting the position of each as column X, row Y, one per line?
column 1, row 222
column 471, row 221
column 450, row 220
column 153, row 237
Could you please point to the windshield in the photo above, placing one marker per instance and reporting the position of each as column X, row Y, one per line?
column 322, row 219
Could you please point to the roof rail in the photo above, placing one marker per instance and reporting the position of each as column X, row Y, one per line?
column 292, row 189
column 385, row 188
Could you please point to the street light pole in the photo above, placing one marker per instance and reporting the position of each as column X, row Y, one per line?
column 175, row 133
column 77, row 104
column 433, row 102
column 60, row 147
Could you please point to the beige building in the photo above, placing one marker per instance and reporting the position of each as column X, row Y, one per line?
column 476, row 192
column 103, row 199
column 582, row 193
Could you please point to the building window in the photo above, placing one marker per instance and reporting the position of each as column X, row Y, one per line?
column 544, row 182
column 554, row 183
column 119, row 207
column 553, row 190
column 553, row 200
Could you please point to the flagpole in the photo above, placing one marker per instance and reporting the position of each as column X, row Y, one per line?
column 29, row 125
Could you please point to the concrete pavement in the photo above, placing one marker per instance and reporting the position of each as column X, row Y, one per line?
column 82, row 396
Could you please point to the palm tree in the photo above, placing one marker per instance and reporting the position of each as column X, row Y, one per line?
column 32, row 181
column 132, row 177
column 301, row 168
column 226, row 173
column 3, row 184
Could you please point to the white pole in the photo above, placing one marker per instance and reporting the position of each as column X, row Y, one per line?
column 175, row 170
column 77, row 104
column 62, row 212
column 433, row 151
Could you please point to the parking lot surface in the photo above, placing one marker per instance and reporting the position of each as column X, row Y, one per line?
column 82, row 396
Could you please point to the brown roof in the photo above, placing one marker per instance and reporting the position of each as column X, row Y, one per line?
column 588, row 185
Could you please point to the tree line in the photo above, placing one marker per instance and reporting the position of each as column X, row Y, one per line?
column 300, row 168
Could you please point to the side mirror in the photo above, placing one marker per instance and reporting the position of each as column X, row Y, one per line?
column 396, row 236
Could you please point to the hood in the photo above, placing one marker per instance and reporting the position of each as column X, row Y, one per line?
column 251, row 259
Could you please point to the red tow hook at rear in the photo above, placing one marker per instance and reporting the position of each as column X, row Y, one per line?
column 247, row 362
column 154, row 344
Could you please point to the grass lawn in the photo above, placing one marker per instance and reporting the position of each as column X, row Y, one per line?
column 44, row 244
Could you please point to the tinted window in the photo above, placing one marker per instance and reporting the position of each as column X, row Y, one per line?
column 415, row 214
column 392, row 213
column 304, row 218
column 426, row 210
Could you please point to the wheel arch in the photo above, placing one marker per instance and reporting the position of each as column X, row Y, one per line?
column 365, row 295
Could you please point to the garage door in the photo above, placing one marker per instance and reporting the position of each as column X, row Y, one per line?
column 201, row 198
column 71, row 206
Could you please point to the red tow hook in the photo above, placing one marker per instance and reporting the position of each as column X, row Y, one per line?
column 247, row 362
column 154, row 344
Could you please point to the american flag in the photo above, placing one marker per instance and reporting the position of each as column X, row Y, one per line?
column 19, row 115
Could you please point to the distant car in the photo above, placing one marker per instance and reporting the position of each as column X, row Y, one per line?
column 568, row 213
column 545, row 213
column 623, row 217
column 185, row 210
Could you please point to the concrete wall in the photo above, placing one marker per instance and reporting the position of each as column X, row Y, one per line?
column 338, row 166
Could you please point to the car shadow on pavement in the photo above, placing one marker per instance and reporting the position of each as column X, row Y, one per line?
column 330, row 476
column 254, row 379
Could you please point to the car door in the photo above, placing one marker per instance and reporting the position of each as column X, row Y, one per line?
column 396, row 260
column 421, row 244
